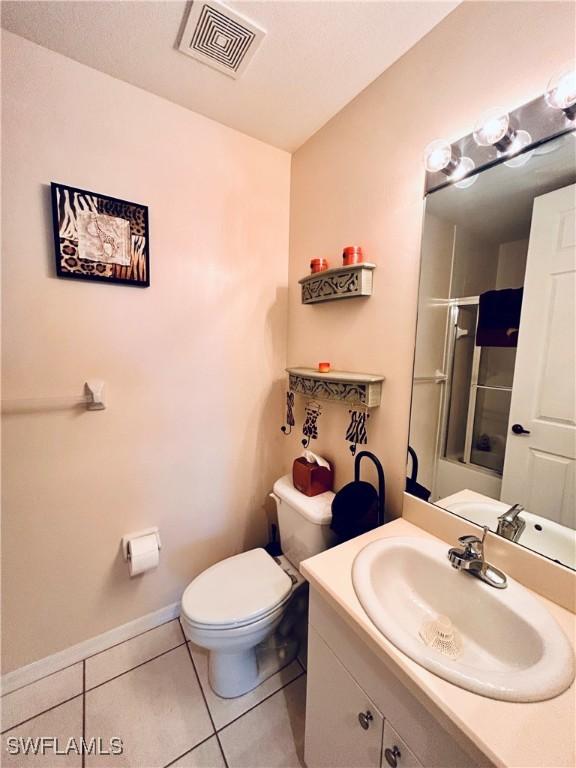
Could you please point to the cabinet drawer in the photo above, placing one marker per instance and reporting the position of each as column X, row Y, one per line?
column 395, row 753
column 343, row 726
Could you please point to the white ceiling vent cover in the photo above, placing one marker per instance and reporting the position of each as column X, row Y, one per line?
column 218, row 36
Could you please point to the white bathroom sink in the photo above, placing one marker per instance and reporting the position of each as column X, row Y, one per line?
column 511, row 647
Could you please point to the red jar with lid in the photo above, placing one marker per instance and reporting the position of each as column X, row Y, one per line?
column 352, row 254
column 318, row 265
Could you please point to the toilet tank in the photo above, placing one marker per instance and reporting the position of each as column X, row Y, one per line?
column 304, row 521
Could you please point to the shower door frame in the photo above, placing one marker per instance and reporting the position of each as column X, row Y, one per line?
column 473, row 392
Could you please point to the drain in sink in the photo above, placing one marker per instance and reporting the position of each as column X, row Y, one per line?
column 440, row 634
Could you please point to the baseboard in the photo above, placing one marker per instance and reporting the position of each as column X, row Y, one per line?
column 47, row 666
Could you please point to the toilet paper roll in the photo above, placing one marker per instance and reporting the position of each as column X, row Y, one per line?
column 144, row 555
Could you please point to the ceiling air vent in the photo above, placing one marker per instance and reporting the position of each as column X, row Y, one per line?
column 218, row 36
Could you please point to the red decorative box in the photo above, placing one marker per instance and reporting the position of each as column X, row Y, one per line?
column 311, row 479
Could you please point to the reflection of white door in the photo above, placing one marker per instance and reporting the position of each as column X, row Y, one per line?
column 539, row 469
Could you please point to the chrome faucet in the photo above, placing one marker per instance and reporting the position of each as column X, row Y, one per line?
column 471, row 560
column 510, row 524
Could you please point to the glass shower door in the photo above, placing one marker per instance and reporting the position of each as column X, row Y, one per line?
column 480, row 392
column 492, row 407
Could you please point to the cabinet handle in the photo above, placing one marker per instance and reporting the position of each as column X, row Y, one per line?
column 392, row 756
column 365, row 718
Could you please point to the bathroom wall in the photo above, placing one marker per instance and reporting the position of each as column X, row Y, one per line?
column 512, row 264
column 190, row 439
column 475, row 264
column 360, row 179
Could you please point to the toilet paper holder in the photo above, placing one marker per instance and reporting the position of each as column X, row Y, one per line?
column 131, row 536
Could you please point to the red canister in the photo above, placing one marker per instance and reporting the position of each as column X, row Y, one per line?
column 318, row 265
column 352, row 254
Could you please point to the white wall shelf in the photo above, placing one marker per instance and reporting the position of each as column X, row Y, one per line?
column 338, row 283
column 340, row 386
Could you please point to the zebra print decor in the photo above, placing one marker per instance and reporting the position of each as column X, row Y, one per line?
column 101, row 238
column 356, row 432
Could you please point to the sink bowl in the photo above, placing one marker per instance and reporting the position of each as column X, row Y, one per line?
column 511, row 647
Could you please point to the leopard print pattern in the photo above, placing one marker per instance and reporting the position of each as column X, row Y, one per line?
column 71, row 262
column 134, row 214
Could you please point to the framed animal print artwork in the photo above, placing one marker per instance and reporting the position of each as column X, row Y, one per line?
column 101, row 238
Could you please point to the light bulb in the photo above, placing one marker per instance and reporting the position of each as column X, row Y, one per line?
column 521, row 140
column 561, row 91
column 440, row 156
column 465, row 165
column 493, row 129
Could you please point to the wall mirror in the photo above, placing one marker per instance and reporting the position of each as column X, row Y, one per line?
column 493, row 420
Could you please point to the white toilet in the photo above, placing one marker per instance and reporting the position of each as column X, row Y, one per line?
column 236, row 604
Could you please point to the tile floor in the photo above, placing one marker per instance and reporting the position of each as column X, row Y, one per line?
column 152, row 692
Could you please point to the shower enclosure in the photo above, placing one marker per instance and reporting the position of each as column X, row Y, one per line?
column 477, row 395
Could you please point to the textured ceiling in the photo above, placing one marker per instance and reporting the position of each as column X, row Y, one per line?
column 315, row 58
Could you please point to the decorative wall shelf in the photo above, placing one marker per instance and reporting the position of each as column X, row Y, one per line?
column 338, row 283
column 340, row 386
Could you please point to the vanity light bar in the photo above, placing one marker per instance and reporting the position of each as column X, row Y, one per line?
column 442, row 157
column 495, row 129
column 561, row 91
column 498, row 137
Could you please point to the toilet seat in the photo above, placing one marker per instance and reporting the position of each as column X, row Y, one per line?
column 240, row 629
column 236, row 592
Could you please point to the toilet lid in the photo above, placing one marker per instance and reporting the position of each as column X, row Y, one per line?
column 236, row 590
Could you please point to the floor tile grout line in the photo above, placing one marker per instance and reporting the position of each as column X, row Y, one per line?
column 83, row 711
column 198, row 679
column 90, row 656
column 222, row 750
column 44, row 677
column 93, row 688
column 216, row 731
column 44, row 711
column 223, row 728
column 189, row 750
column 128, row 639
column 203, row 694
column 271, row 675
column 265, row 680
column 272, row 693
column 137, row 666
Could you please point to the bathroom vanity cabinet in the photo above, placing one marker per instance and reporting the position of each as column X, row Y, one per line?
column 359, row 714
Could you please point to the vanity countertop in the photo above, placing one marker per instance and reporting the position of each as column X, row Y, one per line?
column 540, row 734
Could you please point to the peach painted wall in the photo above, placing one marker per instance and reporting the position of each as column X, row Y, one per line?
column 193, row 364
column 360, row 179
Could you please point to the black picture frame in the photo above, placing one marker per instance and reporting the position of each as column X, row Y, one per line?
column 125, row 249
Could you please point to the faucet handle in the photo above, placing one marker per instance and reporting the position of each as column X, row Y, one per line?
column 473, row 544
column 511, row 514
